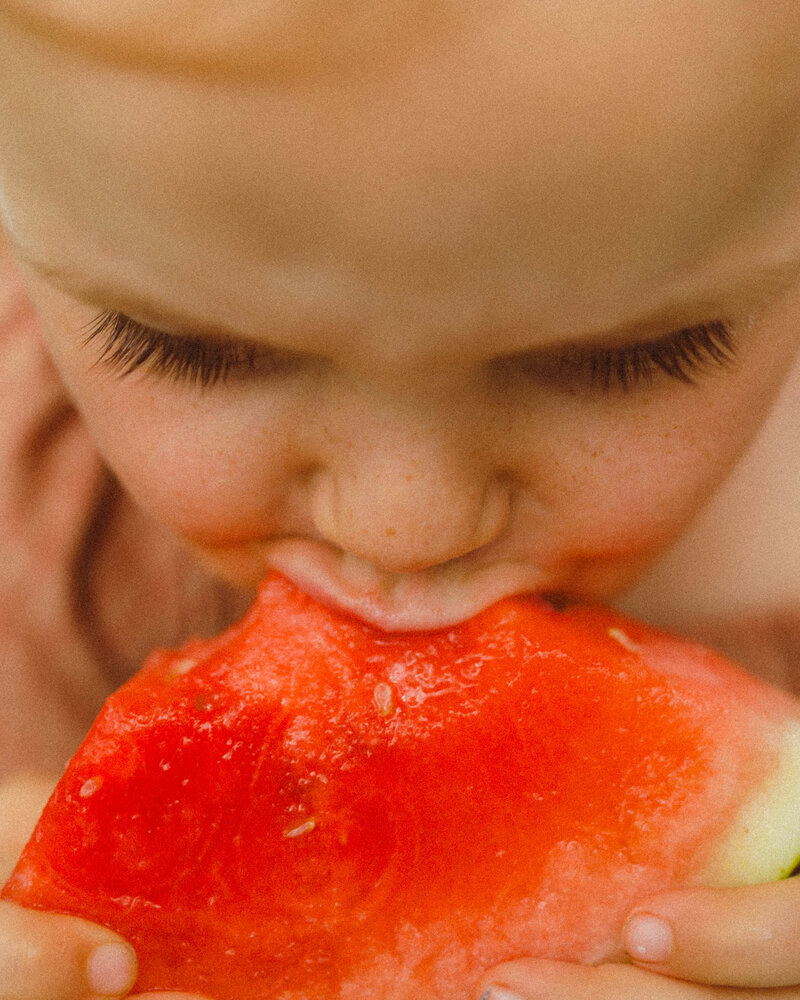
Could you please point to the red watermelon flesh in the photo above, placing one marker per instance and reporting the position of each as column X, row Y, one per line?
column 305, row 807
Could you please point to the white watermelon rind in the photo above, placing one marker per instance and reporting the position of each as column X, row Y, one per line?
column 763, row 842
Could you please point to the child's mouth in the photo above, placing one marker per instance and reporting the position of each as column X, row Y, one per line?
column 430, row 598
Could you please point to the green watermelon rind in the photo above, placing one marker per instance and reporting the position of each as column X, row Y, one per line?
column 763, row 842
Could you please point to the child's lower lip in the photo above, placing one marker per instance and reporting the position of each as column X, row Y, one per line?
column 409, row 602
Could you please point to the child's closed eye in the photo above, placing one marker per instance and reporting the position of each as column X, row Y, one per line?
column 683, row 356
column 126, row 346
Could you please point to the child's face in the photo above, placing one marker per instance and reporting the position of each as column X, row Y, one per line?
column 439, row 276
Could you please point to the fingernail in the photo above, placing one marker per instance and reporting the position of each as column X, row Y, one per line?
column 648, row 938
column 499, row 993
column 111, row 969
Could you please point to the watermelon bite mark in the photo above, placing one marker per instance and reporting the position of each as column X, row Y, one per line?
column 304, row 807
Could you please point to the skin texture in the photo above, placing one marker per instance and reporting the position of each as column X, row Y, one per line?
column 411, row 223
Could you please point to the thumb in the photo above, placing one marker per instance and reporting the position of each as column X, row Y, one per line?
column 743, row 937
column 22, row 798
column 60, row 957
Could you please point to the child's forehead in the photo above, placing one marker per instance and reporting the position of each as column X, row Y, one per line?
column 573, row 155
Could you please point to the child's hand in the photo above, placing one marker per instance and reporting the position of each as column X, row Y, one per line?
column 45, row 956
column 714, row 939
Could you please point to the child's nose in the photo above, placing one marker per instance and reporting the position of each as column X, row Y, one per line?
column 407, row 518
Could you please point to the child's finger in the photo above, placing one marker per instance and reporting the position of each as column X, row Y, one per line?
column 732, row 937
column 46, row 956
column 22, row 799
column 537, row 979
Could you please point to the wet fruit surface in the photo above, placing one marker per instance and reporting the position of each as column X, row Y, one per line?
column 305, row 807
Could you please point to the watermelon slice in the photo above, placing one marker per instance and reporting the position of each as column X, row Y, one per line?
column 305, row 807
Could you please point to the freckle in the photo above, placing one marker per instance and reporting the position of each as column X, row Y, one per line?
column 391, row 532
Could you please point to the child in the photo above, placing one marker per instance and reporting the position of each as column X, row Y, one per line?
column 418, row 303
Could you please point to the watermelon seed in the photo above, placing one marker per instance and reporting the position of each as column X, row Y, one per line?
column 383, row 696
column 182, row 666
column 90, row 786
column 297, row 831
column 624, row 640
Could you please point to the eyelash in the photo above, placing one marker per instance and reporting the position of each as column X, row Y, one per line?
column 681, row 356
column 128, row 345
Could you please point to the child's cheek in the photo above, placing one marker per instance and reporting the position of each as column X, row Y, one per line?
column 216, row 470
column 629, row 477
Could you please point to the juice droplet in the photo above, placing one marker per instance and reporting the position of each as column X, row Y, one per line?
column 624, row 639
column 90, row 786
column 384, row 698
column 297, row 831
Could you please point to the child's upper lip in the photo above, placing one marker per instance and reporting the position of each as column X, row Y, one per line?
column 433, row 598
